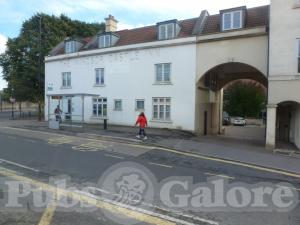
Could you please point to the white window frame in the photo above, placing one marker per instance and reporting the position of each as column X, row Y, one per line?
column 298, row 55
column 99, row 72
column 164, row 34
column 69, row 47
column 161, row 104
column 105, row 41
column 101, row 103
column 163, row 75
column 118, row 109
column 66, row 80
column 231, row 20
column 298, row 45
column 136, row 105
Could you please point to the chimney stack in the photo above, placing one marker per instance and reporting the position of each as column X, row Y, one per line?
column 110, row 24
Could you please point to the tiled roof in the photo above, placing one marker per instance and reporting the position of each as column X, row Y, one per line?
column 148, row 34
column 255, row 17
column 133, row 36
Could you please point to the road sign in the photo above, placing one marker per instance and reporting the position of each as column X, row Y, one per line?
column 12, row 100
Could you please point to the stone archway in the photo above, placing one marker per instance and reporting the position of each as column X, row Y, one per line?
column 209, row 89
column 288, row 124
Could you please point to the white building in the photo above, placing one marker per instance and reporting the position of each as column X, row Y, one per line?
column 174, row 71
column 131, row 71
column 284, row 73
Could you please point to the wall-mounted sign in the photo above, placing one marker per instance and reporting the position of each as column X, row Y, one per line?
column 57, row 97
column 50, row 87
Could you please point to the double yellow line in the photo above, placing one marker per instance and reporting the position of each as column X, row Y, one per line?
column 116, row 209
column 48, row 214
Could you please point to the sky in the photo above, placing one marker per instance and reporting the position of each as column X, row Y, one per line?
column 129, row 13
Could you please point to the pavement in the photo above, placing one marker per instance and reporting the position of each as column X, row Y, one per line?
column 243, row 150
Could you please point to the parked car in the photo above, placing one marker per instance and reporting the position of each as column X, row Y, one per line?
column 239, row 121
column 226, row 120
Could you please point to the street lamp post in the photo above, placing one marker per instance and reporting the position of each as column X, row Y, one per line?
column 40, row 65
column 12, row 100
column 0, row 102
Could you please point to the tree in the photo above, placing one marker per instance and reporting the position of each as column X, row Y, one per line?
column 244, row 98
column 23, row 61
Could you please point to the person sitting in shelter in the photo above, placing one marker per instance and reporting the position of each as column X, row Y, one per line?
column 58, row 113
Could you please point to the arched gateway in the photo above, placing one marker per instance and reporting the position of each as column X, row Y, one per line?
column 209, row 97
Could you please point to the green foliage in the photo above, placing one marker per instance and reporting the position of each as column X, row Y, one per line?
column 22, row 63
column 245, row 99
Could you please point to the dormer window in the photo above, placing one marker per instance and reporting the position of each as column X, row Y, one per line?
column 232, row 20
column 69, row 47
column 168, row 30
column 72, row 45
column 107, row 40
column 104, row 41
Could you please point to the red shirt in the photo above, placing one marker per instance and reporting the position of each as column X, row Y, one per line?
column 142, row 121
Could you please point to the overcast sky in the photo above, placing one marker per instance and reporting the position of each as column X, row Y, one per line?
column 129, row 13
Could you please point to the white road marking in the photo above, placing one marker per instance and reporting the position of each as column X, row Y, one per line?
column 93, row 189
column 114, row 156
column 158, row 164
column 19, row 165
column 150, row 213
column 29, row 140
column 293, row 188
column 220, row 175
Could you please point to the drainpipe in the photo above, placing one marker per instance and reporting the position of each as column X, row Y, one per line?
column 268, row 65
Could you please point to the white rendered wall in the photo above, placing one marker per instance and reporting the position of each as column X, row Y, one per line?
column 284, row 78
column 284, row 31
column 130, row 75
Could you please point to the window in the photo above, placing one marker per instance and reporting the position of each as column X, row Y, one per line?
column 100, row 107
column 66, row 79
column 232, row 20
column 140, row 105
column 99, row 79
column 162, row 109
column 166, row 31
column 118, row 105
column 299, row 55
column 69, row 47
column 104, row 41
column 163, row 72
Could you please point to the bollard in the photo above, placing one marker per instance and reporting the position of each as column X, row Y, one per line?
column 105, row 124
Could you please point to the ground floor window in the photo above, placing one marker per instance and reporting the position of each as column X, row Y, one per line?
column 100, row 107
column 162, row 109
column 140, row 105
column 118, row 105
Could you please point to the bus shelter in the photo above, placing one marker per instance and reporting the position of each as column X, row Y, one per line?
column 72, row 109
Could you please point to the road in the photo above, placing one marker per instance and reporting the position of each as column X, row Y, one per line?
column 39, row 155
column 5, row 114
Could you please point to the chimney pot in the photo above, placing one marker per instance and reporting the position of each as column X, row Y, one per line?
column 110, row 24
